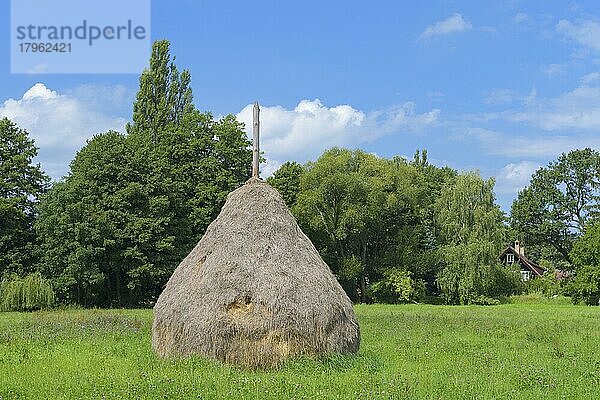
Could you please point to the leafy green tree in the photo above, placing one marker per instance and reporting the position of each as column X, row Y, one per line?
column 425, row 236
column 559, row 202
column 205, row 159
column 586, row 286
column 586, row 250
column 92, row 220
column 351, row 204
column 466, row 211
column 62, row 228
column 501, row 280
column 21, row 184
column 287, row 181
column 196, row 159
column 471, row 230
column 372, row 220
column 134, row 205
column 397, row 287
column 586, row 259
column 164, row 96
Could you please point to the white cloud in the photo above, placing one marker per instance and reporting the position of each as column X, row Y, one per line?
column 304, row 132
column 515, row 176
column 553, row 70
column 530, row 99
column 488, row 29
column 577, row 109
column 269, row 167
column 520, row 17
column 586, row 33
column 534, row 127
column 39, row 91
column 59, row 123
column 591, row 77
column 455, row 23
column 528, row 145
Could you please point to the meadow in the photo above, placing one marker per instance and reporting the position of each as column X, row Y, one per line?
column 548, row 350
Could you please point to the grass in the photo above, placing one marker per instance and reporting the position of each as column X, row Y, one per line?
column 518, row 351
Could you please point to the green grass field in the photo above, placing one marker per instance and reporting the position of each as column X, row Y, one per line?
column 513, row 351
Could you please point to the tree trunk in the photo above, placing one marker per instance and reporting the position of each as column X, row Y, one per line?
column 118, row 283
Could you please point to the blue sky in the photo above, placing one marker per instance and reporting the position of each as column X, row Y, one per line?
column 502, row 87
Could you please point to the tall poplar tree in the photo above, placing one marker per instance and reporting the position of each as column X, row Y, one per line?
column 164, row 96
column 134, row 205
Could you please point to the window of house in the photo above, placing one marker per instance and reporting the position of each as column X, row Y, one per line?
column 525, row 276
column 510, row 258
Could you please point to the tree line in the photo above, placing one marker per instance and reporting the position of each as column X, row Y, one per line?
column 111, row 232
column 403, row 230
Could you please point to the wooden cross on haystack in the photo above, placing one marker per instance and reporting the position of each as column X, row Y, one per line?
column 255, row 140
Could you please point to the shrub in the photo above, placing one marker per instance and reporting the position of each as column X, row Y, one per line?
column 25, row 294
column 586, row 286
column 500, row 281
column 398, row 286
column 547, row 285
column 472, row 284
column 484, row 301
column 586, row 259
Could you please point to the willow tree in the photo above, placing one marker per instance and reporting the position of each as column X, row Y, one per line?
column 471, row 229
column 25, row 294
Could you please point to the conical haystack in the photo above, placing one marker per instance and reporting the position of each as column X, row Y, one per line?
column 254, row 291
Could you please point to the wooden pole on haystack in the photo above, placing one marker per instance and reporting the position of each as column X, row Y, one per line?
column 255, row 143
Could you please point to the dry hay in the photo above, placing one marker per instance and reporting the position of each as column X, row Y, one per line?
column 254, row 291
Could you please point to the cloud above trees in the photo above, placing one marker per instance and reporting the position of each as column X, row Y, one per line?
column 59, row 123
column 304, row 132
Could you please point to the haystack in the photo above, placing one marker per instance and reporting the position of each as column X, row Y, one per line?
column 254, row 291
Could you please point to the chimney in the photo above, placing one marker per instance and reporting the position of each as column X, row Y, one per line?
column 520, row 249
